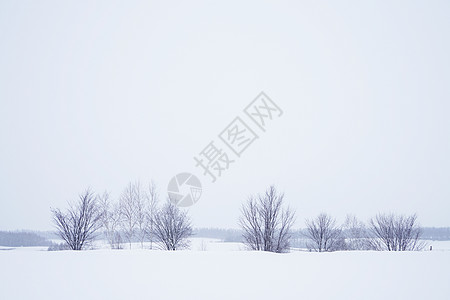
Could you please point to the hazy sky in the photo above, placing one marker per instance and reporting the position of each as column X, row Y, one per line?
column 100, row 93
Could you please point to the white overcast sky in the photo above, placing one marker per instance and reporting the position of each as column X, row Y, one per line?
column 100, row 93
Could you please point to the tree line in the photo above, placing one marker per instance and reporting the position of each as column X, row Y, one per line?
column 136, row 216
column 266, row 224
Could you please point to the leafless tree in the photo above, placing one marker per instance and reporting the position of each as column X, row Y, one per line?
column 265, row 223
column 111, row 221
column 152, row 198
column 105, row 210
column 141, row 213
column 324, row 234
column 128, row 209
column 396, row 232
column 78, row 226
column 356, row 234
column 116, row 221
column 172, row 227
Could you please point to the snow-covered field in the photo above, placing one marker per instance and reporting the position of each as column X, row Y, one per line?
column 223, row 272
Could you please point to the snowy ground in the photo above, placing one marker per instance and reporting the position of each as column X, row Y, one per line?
column 223, row 272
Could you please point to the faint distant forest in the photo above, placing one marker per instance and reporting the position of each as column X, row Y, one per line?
column 22, row 239
column 436, row 234
column 43, row 238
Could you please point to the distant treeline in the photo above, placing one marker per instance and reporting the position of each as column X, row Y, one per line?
column 226, row 235
column 235, row 235
column 436, row 233
column 22, row 239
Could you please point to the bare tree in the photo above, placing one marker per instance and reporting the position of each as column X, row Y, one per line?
column 116, row 222
column 324, row 234
column 111, row 221
column 128, row 210
column 265, row 223
column 172, row 227
column 141, row 213
column 152, row 198
column 105, row 210
column 396, row 232
column 78, row 226
column 356, row 234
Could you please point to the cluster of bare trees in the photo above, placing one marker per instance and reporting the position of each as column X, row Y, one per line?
column 267, row 226
column 135, row 217
column 384, row 232
column 130, row 218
